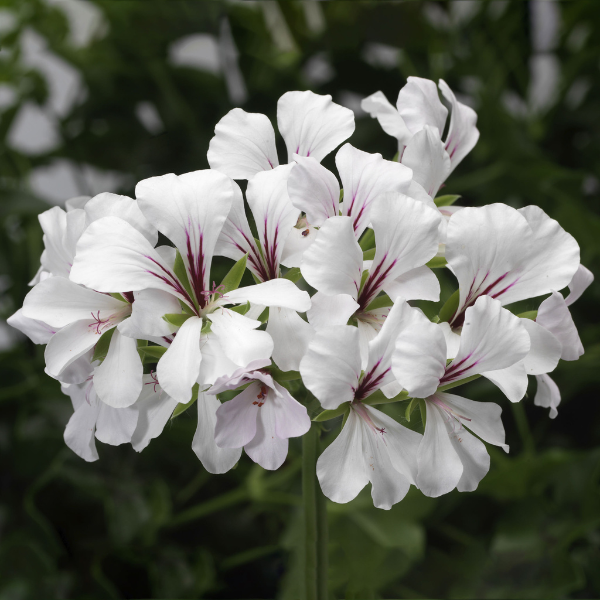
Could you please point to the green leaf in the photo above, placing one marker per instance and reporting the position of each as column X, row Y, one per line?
column 411, row 406
column 152, row 351
column 177, row 319
column 206, row 327
column 437, row 262
column 232, row 280
column 118, row 297
column 454, row 384
column 181, row 274
column 380, row 302
column 364, row 278
column 448, row 200
column 530, row 314
column 264, row 315
column 396, row 157
column 369, row 254
column 102, row 345
column 279, row 375
column 242, row 309
column 326, row 415
column 293, row 274
column 423, row 409
column 367, row 241
column 181, row 408
column 379, row 397
column 447, row 311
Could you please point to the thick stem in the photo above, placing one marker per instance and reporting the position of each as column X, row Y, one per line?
column 315, row 520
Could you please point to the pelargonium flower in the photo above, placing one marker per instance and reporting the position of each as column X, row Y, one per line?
column 310, row 124
column 372, row 446
column 261, row 418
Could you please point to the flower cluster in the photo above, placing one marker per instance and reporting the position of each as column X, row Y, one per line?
column 137, row 332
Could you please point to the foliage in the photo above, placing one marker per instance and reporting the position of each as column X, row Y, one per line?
column 156, row 524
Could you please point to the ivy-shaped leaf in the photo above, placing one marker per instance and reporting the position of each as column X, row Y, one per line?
column 326, row 415
column 181, row 274
column 450, row 307
column 437, row 262
column 181, row 407
column 447, row 200
column 241, row 309
column 102, row 345
column 380, row 302
column 293, row 274
column 232, row 280
column 177, row 319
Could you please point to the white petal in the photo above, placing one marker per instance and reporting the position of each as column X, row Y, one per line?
column 462, row 133
column 474, row 458
column 581, row 281
column 276, row 292
column 417, row 284
column 79, row 433
column 312, row 125
column 154, row 409
column 243, row 145
column 37, row 331
column 379, row 107
column 296, row 244
column 113, row 205
column 214, row 459
column 112, row 256
column 333, row 264
column 115, row 426
column 236, row 419
column 331, row 367
column 326, row 311
column 266, row 448
column 406, row 232
column 148, row 310
column 419, row 105
column 369, row 324
column 236, row 238
column 341, row 468
column 419, row 358
column 76, row 202
column 547, row 394
column 492, row 338
column 439, row 466
column 482, row 418
column 190, row 209
column 68, row 344
column 365, row 177
column 452, row 340
column 291, row 417
column 215, row 362
column 314, row 190
column 179, row 366
column 545, row 349
column 118, row 380
column 243, row 375
column 58, row 302
column 429, row 161
column 291, row 335
column 238, row 337
column 555, row 316
column 79, row 370
column 512, row 380
column 61, row 231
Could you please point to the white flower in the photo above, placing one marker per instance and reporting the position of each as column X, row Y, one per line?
column 492, row 340
column 310, row 124
column 372, row 446
column 261, row 418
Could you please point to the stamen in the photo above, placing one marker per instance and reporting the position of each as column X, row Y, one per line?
column 98, row 322
column 155, row 380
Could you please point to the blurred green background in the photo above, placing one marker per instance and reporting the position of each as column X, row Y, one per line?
column 95, row 96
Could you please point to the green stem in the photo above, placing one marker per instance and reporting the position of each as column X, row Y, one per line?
column 315, row 520
column 523, row 427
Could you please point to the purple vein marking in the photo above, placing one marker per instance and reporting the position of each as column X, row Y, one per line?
column 197, row 266
column 170, row 280
column 271, row 251
column 374, row 282
column 370, row 382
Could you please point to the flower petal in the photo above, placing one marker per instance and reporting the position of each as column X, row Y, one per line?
column 215, row 362
column 243, row 145
column 406, row 232
column 326, row 311
column 291, row 335
column 214, row 459
column 79, row 432
column 380, row 108
column 429, row 161
column 236, row 419
column 179, row 367
column 275, row 292
column 474, row 457
column 154, row 409
column 545, row 349
column 419, row 105
column 462, row 133
column 314, row 190
column 190, row 209
column 512, row 380
column 547, row 394
column 296, row 244
column 417, row 284
column 555, row 316
column 291, row 417
column 115, row 426
column 331, row 367
column 274, row 214
column 439, row 466
column 148, row 310
column 365, row 177
column 238, row 337
column 341, row 468
column 312, row 125
column 333, row 264
column 58, row 302
column 118, row 380
column 37, row 331
column 581, row 281
column 266, row 448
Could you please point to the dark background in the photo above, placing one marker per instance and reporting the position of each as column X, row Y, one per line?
column 78, row 80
